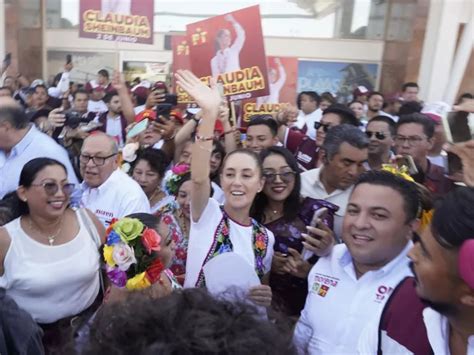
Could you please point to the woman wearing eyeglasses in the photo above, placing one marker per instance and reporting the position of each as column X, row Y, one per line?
column 280, row 208
column 49, row 257
column 215, row 230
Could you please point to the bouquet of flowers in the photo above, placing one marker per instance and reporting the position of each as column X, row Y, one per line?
column 129, row 154
column 178, row 172
column 130, row 254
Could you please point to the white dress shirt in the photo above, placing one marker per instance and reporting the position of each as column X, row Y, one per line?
column 308, row 120
column 117, row 197
column 34, row 144
column 339, row 305
column 311, row 186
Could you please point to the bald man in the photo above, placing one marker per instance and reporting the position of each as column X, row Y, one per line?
column 107, row 190
column 21, row 142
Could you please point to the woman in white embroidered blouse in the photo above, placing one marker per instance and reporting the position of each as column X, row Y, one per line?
column 216, row 230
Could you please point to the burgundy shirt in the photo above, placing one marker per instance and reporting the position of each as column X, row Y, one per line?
column 303, row 148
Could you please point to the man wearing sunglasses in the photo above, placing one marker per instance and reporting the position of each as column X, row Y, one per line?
column 303, row 147
column 381, row 132
column 107, row 191
column 20, row 142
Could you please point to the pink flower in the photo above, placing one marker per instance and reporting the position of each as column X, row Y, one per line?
column 167, row 219
column 180, row 169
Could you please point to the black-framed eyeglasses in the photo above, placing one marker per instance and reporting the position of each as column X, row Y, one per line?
column 99, row 161
column 286, row 176
column 379, row 135
column 51, row 188
column 325, row 126
column 412, row 140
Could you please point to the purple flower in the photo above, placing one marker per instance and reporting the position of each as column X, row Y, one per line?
column 113, row 238
column 116, row 276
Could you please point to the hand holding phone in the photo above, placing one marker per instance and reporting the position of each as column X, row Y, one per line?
column 320, row 238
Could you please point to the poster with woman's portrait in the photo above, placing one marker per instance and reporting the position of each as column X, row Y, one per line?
column 230, row 48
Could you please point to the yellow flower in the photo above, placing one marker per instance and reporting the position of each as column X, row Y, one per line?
column 400, row 172
column 128, row 229
column 108, row 250
column 138, row 282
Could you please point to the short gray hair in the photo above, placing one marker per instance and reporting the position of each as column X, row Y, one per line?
column 14, row 115
column 343, row 133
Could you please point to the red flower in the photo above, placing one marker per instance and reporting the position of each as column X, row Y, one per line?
column 151, row 240
column 154, row 271
column 181, row 253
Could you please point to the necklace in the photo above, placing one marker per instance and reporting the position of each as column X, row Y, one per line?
column 51, row 238
column 154, row 195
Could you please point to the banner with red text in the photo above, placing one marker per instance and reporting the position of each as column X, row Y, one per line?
column 180, row 47
column 230, row 48
column 117, row 20
column 283, row 79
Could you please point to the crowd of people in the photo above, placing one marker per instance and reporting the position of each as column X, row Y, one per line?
column 130, row 224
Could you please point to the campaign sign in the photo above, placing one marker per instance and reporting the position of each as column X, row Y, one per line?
column 181, row 60
column 339, row 78
column 230, row 48
column 282, row 77
column 122, row 21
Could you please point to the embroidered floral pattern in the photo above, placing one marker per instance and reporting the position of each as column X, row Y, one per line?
column 223, row 244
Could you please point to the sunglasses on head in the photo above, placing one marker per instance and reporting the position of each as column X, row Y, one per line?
column 379, row 135
column 51, row 188
column 286, row 177
column 326, row 126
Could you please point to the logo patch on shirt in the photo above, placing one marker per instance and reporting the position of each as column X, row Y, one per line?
column 382, row 292
column 322, row 284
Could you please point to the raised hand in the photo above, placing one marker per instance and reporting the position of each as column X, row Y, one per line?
column 465, row 151
column 208, row 98
column 261, row 295
column 118, row 82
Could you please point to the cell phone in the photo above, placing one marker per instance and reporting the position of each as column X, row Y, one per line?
column 407, row 161
column 317, row 216
column 138, row 128
column 163, row 110
column 68, row 59
column 458, row 127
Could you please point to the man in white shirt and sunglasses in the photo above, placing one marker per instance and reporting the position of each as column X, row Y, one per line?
column 107, row 191
column 381, row 131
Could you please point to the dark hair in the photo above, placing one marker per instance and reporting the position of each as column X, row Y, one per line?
column 312, row 94
column 79, row 91
column 248, row 152
column 28, row 174
column 453, row 218
column 410, row 85
column 407, row 189
column 156, row 158
column 409, row 107
column 373, row 93
column 392, row 126
column 189, row 321
column 218, row 147
column 7, row 88
column 266, row 120
column 14, row 115
column 355, row 101
column 149, row 220
column 418, row 118
column 9, row 208
column 345, row 114
column 327, row 96
column 108, row 97
column 343, row 133
column 104, row 73
column 292, row 202
column 184, row 178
